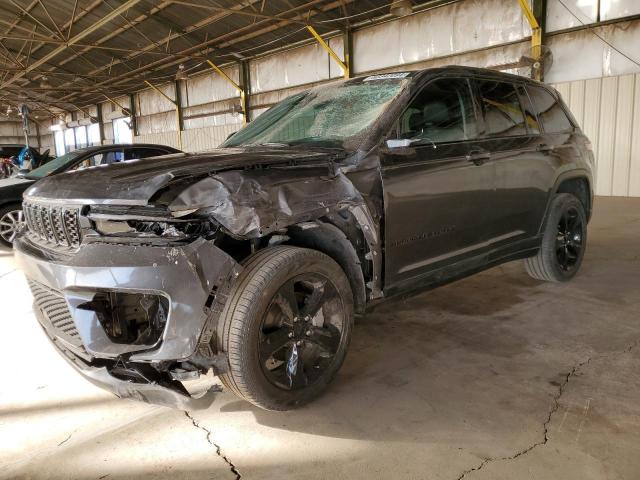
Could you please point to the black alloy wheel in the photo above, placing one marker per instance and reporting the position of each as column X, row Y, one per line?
column 285, row 327
column 301, row 332
column 569, row 239
column 564, row 240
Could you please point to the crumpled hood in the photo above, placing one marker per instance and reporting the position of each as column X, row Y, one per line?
column 135, row 182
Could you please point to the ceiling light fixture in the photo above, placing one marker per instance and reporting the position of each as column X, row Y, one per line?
column 181, row 75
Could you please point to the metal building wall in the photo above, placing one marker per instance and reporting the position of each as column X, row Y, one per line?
column 608, row 109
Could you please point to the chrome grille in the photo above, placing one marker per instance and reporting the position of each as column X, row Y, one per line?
column 57, row 225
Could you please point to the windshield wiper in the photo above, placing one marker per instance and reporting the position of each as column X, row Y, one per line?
column 271, row 144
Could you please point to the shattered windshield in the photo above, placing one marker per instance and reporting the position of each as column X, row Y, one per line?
column 326, row 116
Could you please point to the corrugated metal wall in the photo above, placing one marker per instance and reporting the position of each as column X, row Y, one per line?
column 608, row 109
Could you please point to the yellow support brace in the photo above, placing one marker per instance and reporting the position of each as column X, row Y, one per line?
column 175, row 104
column 235, row 85
column 330, row 51
column 124, row 109
column 536, row 34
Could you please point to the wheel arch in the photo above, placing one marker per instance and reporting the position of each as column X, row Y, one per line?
column 340, row 243
column 577, row 182
column 580, row 187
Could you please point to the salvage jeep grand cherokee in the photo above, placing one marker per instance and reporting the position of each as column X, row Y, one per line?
column 252, row 259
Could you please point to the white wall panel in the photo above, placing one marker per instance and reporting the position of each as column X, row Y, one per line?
column 610, row 9
column 622, row 137
column 194, row 140
column 634, row 161
column 606, row 146
column 298, row 66
column 210, row 87
column 459, row 27
column 608, row 110
column 150, row 101
column 559, row 17
column 581, row 55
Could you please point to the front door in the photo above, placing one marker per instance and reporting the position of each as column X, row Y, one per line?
column 437, row 184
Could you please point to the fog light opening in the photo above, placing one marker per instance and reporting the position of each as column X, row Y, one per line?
column 130, row 318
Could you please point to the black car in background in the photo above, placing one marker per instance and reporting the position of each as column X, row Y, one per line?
column 11, row 189
column 252, row 259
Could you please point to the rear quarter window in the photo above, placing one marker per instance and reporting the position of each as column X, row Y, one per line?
column 550, row 112
column 501, row 107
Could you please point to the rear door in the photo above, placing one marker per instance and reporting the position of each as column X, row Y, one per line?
column 522, row 169
column 437, row 185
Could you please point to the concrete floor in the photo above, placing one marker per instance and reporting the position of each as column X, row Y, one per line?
column 494, row 377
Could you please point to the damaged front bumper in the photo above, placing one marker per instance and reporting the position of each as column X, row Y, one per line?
column 186, row 278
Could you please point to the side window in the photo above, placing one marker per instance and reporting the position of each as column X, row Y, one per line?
column 112, row 157
column 501, row 107
column 550, row 112
column 133, row 153
column 442, row 112
column 529, row 112
column 89, row 162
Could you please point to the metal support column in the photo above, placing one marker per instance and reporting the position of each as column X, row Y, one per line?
column 100, row 123
column 133, row 115
column 175, row 104
column 245, row 83
column 536, row 34
column 347, row 40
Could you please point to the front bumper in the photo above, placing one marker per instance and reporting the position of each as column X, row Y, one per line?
column 187, row 276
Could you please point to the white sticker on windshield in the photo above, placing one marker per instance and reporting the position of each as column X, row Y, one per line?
column 386, row 76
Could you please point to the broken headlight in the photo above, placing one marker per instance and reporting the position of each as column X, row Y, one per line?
column 151, row 224
column 179, row 230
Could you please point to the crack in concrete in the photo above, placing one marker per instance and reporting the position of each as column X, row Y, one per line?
column 65, row 440
column 232, row 467
column 554, row 409
column 8, row 273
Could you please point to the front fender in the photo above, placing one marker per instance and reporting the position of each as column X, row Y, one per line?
column 253, row 203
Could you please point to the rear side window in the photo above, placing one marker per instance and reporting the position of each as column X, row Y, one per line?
column 503, row 115
column 442, row 112
column 550, row 112
column 134, row 153
column 529, row 112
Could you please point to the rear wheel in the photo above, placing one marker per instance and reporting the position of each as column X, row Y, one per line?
column 563, row 243
column 286, row 327
column 11, row 222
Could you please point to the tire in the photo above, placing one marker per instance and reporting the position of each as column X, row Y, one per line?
column 563, row 244
column 8, row 215
column 248, row 328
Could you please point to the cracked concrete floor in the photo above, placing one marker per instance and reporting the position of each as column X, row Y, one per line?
column 494, row 377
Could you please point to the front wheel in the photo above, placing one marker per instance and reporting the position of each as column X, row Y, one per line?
column 286, row 327
column 563, row 243
column 11, row 222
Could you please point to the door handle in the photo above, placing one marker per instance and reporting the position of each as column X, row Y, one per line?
column 478, row 157
column 544, row 148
